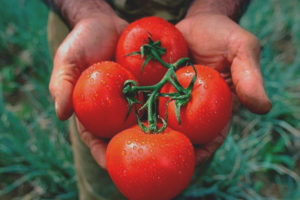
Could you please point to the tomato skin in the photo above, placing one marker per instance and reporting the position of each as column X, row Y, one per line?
column 150, row 166
column 209, row 109
column 136, row 35
column 98, row 100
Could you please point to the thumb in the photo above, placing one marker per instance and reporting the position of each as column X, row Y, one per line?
column 67, row 66
column 61, row 87
column 97, row 146
column 246, row 75
column 82, row 47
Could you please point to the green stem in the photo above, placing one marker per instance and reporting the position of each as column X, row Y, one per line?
column 143, row 88
column 178, row 87
column 158, row 58
column 152, row 122
column 153, row 51
column 155, row 93
column 181, row 61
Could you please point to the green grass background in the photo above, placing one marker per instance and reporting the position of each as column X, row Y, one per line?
column 259, row 160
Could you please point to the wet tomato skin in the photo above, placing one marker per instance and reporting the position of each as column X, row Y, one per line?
column 98, row 100
column 136, row 35
column 209, row 109
column 150, row 166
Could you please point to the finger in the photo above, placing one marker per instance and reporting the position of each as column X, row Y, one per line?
column 97, row 146
column 202, row 154
column 246, row 74
column 66, row 69
column 61, row 87
column 81, row 48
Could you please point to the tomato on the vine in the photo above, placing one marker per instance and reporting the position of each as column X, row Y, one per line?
column 98, row 100
column 209, row 108
column 150, row 166
column 136, row 35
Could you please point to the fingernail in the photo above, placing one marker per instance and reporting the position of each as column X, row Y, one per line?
column 265, row 107
column 268, row 105
column 56, row 107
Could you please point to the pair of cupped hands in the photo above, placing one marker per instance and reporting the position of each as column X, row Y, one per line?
column 213, row 39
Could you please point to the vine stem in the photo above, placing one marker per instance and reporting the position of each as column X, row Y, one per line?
column 153, row 51
column 155, row 93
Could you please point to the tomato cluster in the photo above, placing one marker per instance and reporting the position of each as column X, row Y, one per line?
column 185, row 105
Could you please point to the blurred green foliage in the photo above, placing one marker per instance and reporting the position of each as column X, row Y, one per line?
column 35, row 155
column 259, row 159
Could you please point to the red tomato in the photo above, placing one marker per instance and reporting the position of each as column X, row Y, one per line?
column 150, row 166
column 98, row 100
column 209, row 108
column 136, row 35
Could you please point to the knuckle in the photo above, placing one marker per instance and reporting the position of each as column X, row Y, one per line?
column 252, row 41
column 87, row 138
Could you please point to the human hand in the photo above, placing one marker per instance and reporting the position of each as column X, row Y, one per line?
column 217, row 41
column 92, row 39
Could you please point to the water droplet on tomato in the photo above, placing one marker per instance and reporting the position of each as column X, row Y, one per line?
column 134, row 147
column 123, row 153
column 179, row 172
column 128, row 142
column 205, row 86
column 94, row 76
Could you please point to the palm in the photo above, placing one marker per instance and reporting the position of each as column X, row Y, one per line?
column 209, row 39
column 90, row 41
column 217, row 41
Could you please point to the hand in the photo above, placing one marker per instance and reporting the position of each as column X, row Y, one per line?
column 217, row 41
column 92, row 39
column 97, row 146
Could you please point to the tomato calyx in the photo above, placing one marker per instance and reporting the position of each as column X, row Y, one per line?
column 153, row 51
column 130, row 96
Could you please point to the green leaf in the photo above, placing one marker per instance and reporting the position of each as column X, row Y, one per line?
column 191, row 85
column 177, row 111
column 145, row 63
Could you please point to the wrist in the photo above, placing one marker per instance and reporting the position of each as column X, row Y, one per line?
column 233, row 9
column 73, row 12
